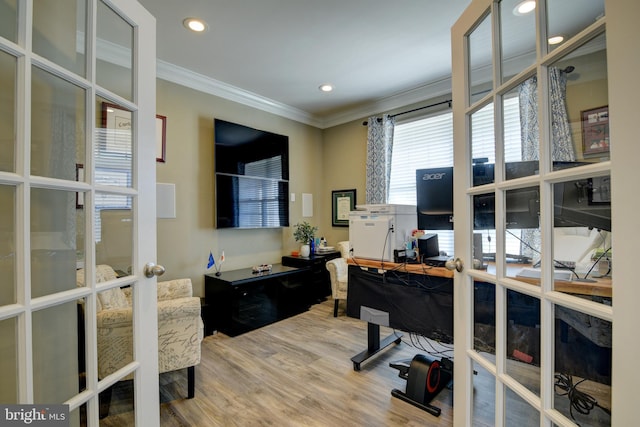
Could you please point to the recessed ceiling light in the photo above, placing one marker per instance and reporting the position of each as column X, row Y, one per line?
column 524, row 7
column 195, row 24
column 326, row 87
column 555, row 40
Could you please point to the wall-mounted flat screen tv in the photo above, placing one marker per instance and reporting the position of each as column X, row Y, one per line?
column 252, row 177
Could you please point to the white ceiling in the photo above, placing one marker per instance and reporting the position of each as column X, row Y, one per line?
column 274, row 54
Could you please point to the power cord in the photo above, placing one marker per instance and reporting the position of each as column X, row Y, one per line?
column 384, row 246
column 597, row 261
column 582, row 402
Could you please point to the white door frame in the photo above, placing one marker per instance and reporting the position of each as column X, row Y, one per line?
column 145, row 364
column 622, row 65
column 145, row 320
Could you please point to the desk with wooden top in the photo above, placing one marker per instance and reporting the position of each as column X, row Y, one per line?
column 601, row 287
column 414, row 298
column 416, row 308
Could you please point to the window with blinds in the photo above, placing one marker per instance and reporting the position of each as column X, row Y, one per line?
column 428, row 143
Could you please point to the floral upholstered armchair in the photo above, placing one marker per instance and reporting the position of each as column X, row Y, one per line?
column 180, row 327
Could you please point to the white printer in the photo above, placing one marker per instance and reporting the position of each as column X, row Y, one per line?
column 376, row 230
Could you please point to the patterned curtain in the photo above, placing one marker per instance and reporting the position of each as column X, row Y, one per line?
column 379, row 147
column 562, row 143
column 562, row 148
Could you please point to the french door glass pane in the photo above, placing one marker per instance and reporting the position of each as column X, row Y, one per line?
column 115, row 37
column 566, row 18
column 580, row 113
column 7, row 111
column 9, row 20
column 115, row 338
column 523, row 339
column 117, row 404
column 582, row 365
column 56, row 353
column 512, row 112
column 114, row 232
column 484, row 319
column 518, row 38
column 519, row 413
column 55, row 227
column 522, row 228
column 7, row 245
column 57, row 126
column 62, row 44
column 582, row 237
column 484, row 397
column 9, row 360
column 483, row 145
column 113, row 149
column 480, row 57
column 484, row 220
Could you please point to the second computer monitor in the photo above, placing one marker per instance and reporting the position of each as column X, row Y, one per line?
column 428, row 246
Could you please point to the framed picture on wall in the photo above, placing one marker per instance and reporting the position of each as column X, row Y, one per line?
column 595, row 131
column 342, row 202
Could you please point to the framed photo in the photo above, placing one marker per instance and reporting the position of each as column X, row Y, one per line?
column 342, row 202
column 595, row 131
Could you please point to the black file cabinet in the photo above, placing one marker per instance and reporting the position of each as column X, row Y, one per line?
column 318, row 274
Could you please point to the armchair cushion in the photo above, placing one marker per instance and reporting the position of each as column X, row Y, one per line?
column 172, row 289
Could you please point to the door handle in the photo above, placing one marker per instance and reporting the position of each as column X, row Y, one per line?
column 151, row 269
column 454, row 264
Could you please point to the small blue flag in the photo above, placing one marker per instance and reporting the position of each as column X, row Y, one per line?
column 211, row 260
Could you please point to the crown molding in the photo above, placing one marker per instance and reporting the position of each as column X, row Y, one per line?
column 199, row 82
column 420, row 94
column 184, row 77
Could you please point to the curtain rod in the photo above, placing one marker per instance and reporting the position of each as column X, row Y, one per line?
column 411, row 111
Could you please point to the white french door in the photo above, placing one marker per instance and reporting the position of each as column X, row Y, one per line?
column 77, row 190
column 534, row 327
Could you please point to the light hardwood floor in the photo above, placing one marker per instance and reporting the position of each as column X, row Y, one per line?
column 296, row 372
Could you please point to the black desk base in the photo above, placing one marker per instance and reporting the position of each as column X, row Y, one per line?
column 374, row 345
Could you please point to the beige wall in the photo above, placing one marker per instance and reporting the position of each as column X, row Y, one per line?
column 344, row 151
column 184, row 242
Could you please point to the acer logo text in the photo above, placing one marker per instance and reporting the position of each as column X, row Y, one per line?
column 432, row 176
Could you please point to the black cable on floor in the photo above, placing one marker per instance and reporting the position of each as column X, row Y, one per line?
column 580, row 401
